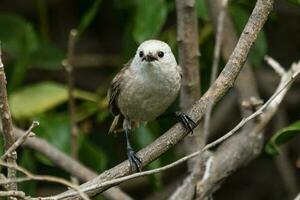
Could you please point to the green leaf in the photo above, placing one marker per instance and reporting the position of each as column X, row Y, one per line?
column 259, row 48
column 88, row 17
column 201, row 9
column 37, row 98
column 41, row 97
column 19, row 40
column 92, row 156
column 17, row 35
column 281, row 137
column 149, row 19
column 297, row 2
column 47, row 57
column 55, row 129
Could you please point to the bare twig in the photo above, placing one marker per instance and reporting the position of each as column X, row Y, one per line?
column 240, row 149
column 20, row 140
column 7, row 128
column 19, row 194
column 275, row 65
column 3, row 178
column 68, row 64
column 297, row 197
column 245, row 84
column 68, row 164
column 217, row 51
column 283, row 87
column 30, row 176
column 207, row 168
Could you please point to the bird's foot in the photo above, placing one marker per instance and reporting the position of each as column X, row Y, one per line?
column 186, row 121
column 134, row 161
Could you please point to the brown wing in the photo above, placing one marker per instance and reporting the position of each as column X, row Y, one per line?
column 114, row 90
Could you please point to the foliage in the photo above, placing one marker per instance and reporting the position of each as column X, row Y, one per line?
column 282, row 136
column 38, row 98
column 149, row 19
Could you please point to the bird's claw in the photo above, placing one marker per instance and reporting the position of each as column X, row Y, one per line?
column 134, row 161
column 186, row 121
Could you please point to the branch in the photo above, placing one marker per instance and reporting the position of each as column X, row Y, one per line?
column 224, row 82
column 13, row 193
column 68, row 164
column 242, row 148
column 30, row 176
column 7, row 129
column 245, row 83
column 20, row 141
column 68, row 65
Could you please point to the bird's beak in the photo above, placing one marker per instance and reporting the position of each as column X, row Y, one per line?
column 149, row 58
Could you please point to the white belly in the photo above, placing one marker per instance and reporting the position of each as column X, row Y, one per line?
column 144, row 98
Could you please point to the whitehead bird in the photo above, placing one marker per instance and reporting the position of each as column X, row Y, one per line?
column 143, row 90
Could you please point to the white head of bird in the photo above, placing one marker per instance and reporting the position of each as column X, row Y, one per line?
column 153, row 53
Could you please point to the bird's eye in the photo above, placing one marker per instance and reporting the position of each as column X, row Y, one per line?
column 160, row 54
column 141, row 53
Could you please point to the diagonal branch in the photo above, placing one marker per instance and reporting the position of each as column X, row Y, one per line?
column 244, row 147
column 29, row 176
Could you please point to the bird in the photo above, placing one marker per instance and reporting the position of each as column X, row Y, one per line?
column 143, row 90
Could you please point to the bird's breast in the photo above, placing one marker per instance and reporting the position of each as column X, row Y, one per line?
column 147, row 95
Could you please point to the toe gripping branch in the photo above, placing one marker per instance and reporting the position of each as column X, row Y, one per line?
column 134, row 161
column 186, row 121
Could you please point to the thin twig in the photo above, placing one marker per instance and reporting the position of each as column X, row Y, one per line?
column 7, row 125
column 216, row 61
column 2, row 178
column 282, row 86
column 20, row 140
column 254, row 115
column 208, row 168
column 19, row 194
column 30, row 176
column 68, row 65
column 275, row 65
column 297, row 197
column 70, row 165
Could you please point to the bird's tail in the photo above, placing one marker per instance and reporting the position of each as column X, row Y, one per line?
column 117, row 125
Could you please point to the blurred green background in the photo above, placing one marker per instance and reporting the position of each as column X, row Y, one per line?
column 34, row 37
